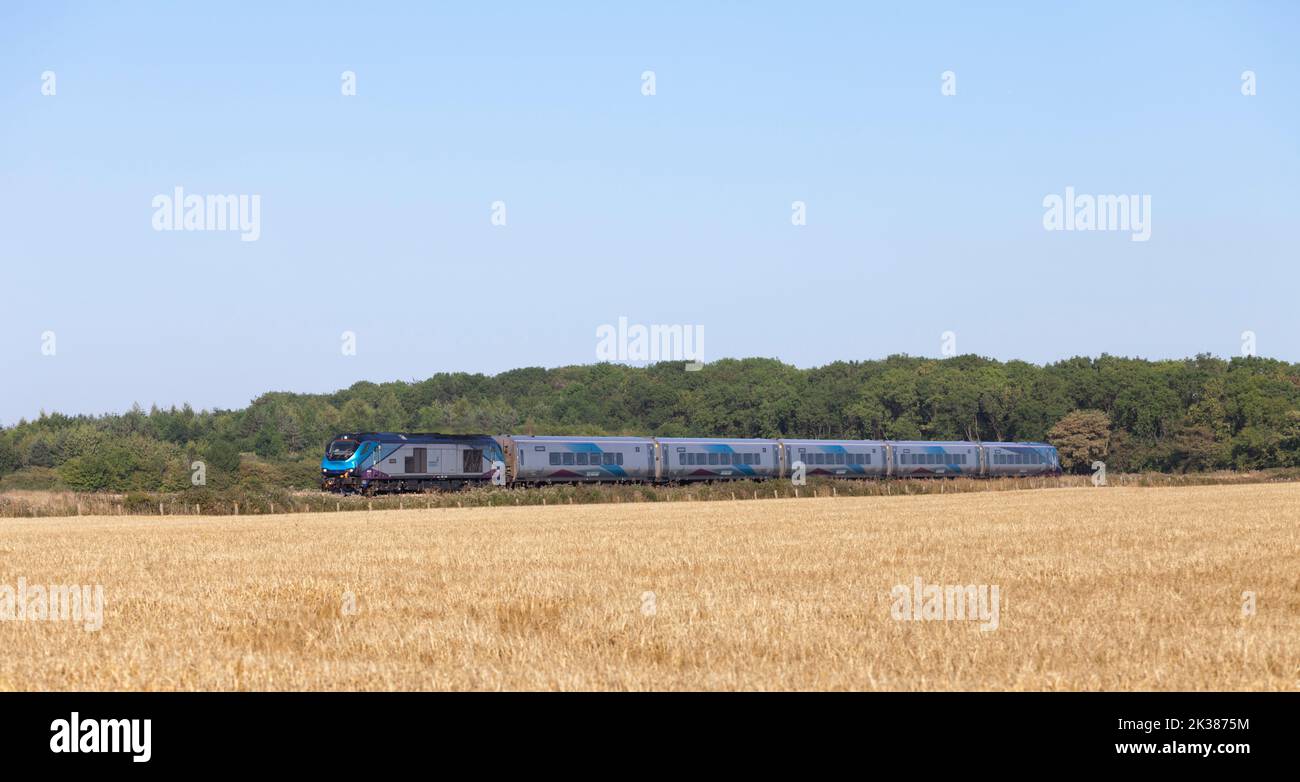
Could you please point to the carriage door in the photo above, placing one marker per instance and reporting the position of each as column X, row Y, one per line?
column 438, row 460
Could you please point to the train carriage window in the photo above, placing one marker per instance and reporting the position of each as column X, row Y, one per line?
column 568, row 458
column 688, row 458
column 724, row 458
column 839, row 458
column 609, row 458
column 618, row 458
column 755, row 459
column 555, row 458
column 580, row 457
column 713, row 458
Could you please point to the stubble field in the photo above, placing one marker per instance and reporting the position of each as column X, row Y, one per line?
column 1099, row 589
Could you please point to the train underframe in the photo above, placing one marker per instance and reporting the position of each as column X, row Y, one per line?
column 373, row 486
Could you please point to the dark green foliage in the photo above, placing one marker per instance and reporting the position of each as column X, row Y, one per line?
column 1194, row 414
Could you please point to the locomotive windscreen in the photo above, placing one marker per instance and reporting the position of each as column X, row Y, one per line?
column 341, row 449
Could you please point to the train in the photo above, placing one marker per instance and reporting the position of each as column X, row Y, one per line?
column 384, row 462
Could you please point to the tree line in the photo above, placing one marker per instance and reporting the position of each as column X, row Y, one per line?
column 1184, row 415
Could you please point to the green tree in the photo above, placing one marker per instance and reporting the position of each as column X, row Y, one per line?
column 1081, row 437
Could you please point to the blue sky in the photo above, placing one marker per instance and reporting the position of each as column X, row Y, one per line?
column 924, row 210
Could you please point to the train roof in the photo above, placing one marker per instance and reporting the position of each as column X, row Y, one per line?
column 715, row 440
column 414, row 437
column 558, row 438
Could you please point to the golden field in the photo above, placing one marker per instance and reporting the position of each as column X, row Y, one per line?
column 1101, row 589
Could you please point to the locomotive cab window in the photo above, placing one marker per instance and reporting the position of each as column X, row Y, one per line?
column 342, row 449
